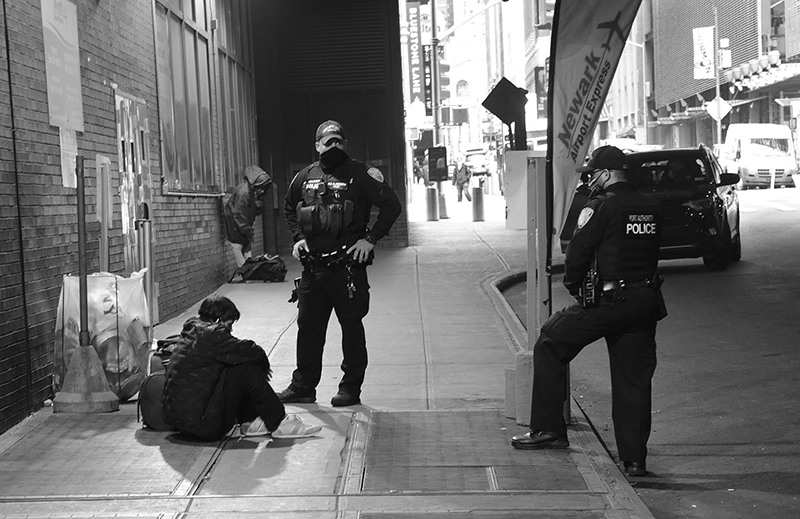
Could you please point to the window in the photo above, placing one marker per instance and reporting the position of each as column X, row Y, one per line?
column 187, row 76
column 184, row 94
column 236, row 91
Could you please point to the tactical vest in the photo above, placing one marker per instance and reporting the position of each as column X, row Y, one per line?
column 326, row 207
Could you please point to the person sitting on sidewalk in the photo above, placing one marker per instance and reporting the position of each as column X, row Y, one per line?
column 215, row 381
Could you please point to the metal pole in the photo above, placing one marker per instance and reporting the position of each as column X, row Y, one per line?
column 716, row 75
column 82, row 283
column 644, row 93
column 434, row 74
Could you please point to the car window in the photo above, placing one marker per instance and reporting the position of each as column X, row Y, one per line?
column 672, row 173
column 768, row 147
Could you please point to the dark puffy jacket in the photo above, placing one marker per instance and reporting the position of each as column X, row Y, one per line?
column 193, row 398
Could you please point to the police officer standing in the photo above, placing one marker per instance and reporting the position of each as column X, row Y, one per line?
column 618, row 231
column 327, row 208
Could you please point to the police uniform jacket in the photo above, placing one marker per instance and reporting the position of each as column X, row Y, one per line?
column 193, row 398
column 337, row 206
column 624, row 227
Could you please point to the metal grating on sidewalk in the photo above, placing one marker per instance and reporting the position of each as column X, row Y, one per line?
column 485, row 515
column 98, row 455
column 452, row 451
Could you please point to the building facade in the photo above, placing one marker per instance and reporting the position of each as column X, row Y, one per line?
column 166, row 102
column 758, row 71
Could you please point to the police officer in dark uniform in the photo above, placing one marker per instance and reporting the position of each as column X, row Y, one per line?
column 618, row 231
column 327, row 208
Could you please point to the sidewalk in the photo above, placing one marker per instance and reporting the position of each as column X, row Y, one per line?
column 429, row 439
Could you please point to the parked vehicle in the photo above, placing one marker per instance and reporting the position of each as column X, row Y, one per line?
column 762, row 154
column 477, row 160
column 701, row 207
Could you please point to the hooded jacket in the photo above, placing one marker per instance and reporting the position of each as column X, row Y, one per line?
column 193, row 398
column 241, row 208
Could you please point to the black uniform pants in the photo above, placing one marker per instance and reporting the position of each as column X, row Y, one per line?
column 629, row 327
column 321, row 292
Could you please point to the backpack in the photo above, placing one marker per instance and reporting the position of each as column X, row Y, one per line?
column 149, row 404
column 264, row 267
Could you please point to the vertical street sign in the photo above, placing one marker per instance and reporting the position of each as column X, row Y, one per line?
column 414, row 51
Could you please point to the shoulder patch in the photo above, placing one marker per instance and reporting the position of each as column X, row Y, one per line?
column 585, row 216
column 376, row 174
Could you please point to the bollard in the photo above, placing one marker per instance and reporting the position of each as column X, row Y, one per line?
column 442, row 202
column 477, row 204
column 431, row 198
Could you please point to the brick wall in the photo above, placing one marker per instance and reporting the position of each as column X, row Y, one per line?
column 38, row 215
column 191, row 255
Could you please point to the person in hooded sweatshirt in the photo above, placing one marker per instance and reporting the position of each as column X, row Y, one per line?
column 215, row 381
column 327, row 209
column 241, row 209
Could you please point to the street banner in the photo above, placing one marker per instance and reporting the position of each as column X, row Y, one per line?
column 587, row 42
column 414, row 52
column 703, row 52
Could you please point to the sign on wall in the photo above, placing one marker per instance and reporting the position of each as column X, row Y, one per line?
column 62, row 64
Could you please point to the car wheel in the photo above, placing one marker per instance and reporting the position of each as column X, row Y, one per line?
column 736, row 245
column 722, row 258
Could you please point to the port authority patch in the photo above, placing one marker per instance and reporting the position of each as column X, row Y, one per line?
column 585, row 216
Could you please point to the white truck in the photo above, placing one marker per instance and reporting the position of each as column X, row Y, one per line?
column 762, row 154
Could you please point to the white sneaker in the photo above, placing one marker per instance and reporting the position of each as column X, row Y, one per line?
column 293, row 426
column 254, row 428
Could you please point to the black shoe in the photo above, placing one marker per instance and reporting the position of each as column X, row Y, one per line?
column 344, row 398
column 634, row 469
column 535, row 439
column 291, row 395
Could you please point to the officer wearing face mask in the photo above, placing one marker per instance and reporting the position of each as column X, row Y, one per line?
column 617, row 235
column 327, row 209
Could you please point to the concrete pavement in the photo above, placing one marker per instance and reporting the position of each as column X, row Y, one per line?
column 430, row 437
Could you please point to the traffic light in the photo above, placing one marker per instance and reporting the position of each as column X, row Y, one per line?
column 444, row 80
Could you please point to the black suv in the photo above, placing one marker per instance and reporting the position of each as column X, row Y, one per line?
column 701, row 208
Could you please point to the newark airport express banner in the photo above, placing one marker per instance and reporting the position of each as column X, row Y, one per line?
column 587, row 42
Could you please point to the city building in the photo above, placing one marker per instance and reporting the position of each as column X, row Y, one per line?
column 758, row 44
column 166, row 102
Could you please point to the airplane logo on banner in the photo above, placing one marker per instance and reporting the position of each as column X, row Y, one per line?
column 583, row 59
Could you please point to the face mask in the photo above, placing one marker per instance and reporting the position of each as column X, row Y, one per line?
column 598, row 181
column 332, row 158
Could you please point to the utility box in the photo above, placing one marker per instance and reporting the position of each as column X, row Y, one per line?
column 436, row 159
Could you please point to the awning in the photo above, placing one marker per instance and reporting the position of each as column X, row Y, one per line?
column 627, row 132
column 739, row 102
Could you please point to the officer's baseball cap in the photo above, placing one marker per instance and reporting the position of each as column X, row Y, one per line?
column 605, row 157
column 329, row 129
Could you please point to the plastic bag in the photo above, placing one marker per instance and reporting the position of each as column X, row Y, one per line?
column 119, row 328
